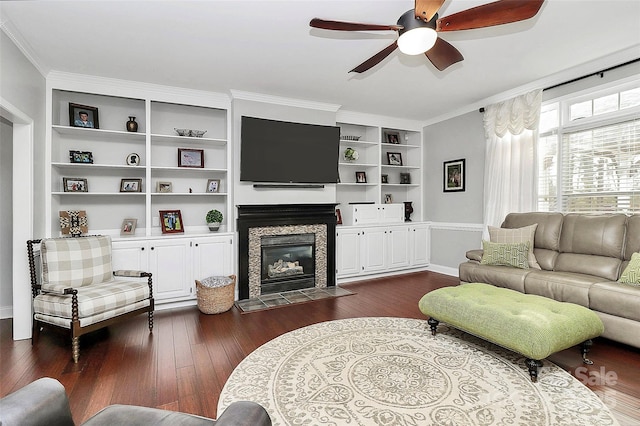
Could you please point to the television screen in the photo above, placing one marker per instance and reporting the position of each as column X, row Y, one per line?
column 284, row 152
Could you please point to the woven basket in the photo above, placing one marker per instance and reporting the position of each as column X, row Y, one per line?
column 215, row 300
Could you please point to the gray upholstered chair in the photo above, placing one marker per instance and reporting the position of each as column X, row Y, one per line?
column 44, row 403
column 75, row 288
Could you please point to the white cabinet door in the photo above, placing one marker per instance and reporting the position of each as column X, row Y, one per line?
column 131, row 255
column 366, row 214
column 169, row 262
column 420, row 252
column 347, row 252
column 392, row 213
column 374, row 249
column 398, row 246
column 212, row 256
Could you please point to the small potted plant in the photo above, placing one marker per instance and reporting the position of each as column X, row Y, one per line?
column 214, row 217
column 350, row 154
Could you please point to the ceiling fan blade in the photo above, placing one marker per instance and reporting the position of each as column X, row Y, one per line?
column 425, row 9
column 375, row 59
column 442, row 55
column 496, row 13
column 350, row 26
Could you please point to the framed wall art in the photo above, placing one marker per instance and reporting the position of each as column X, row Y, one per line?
column 83, row 157
column 391, row 137
column 188, row 157
column 454, row 175
column 128, row 226
column 388, row 198
column 131, row 185
column 164, row 187
column 405, row 178
column 394, row 158
column 83, row 116
column 73, row 222
column 70, row 184
column 171, row 221
column 213, row 185
column 384, row 179
column 133, row 159
column 361, row 177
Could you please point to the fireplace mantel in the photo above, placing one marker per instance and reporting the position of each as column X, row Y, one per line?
column 267, row 215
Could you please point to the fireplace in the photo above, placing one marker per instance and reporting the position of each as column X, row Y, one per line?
column 285, row 247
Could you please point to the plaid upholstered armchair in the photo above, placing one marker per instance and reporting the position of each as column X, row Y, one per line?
column 74, row 287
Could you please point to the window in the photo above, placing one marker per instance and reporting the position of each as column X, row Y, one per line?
column 589, row 152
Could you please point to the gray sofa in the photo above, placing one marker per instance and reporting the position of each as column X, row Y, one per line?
column 581, row 258
column 44, row 403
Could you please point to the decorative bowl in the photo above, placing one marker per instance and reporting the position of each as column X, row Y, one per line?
column 189, row 132
column 198, row 133
column 182, row 132
column 349, row 138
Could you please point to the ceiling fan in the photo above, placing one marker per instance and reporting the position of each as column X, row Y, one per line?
column 418, row 28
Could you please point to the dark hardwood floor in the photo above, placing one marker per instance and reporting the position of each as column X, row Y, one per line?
column 184, row 364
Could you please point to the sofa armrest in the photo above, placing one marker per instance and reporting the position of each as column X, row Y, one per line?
column 244, row 413
column 130, row 273
column 40, row 403
column 475, row 255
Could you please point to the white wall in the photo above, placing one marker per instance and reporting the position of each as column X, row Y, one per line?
column 6, row 213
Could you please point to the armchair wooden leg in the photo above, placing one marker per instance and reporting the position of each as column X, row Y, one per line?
column 150, row 321
column 75, row 348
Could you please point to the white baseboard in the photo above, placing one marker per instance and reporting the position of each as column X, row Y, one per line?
column 6, row 312
column 445, row 270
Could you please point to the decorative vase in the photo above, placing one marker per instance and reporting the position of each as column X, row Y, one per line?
column 213, row 226
column 408, row 209
column 132, row 126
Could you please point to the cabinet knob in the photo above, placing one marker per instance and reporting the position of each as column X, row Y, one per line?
column 142, row 248
column 196, row 244
column 153, row 248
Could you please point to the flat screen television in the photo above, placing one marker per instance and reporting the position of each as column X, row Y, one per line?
column 283, row 152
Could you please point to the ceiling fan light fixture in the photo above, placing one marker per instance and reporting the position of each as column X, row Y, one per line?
column 416, row 36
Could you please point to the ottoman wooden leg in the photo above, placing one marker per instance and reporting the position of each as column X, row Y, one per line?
column 532, row 365
column 584, row 348
column 433, row 323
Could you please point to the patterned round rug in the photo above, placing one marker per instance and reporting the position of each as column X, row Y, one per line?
column 391, row 371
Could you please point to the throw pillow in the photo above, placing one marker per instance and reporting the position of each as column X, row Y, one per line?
column 516, row 235
column 505, row 254
column 631, row 274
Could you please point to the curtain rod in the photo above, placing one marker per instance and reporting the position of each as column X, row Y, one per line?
column 600, row 73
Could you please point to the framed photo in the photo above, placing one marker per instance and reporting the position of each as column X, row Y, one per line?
column 130, row 185
column 391, row 137
column 213, row 185
column 73, row 222
column 338, row 217
column 188, row 157
column 84, row 157
column 128, row 227
column 405, row 178
column 133, row 159
column 171, row 221
column 394, row 158
column 83, row 116
column 74, row 184
column 384, row 179
column 454, row 175
column 388, row 198
column 164, row 187
column 361, row 177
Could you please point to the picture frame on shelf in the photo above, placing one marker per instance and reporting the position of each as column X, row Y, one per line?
column 73, row 222
column 391, row 137
column 361, row 177
column 388, row 198
column 384, row 179
column 454, row 175
column 394, row 158
column 133, row 159
column 128, row 227
column 81, row 157
column 171, row 222
column 72, row 184
column 164, row 187
column 83, row 116
column 213, row 185
column 405, row 178
column 338, row 217
column 130, row 185
column 189, row 157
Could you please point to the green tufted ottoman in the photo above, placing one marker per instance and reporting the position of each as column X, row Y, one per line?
column 531, row 325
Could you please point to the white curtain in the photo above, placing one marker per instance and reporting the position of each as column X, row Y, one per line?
column 511, row 129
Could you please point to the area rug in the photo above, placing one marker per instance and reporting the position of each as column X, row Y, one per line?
column 391, row 371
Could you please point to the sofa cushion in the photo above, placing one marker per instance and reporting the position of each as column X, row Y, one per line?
column 75, row 262
column 560, row 286
column 600, row 235
column 506, row 254
column 631, row 274
column 516, row 235
column 632, row 244
column 500, row 276
column 548, row 230
column 617, row 299
column 606, row 268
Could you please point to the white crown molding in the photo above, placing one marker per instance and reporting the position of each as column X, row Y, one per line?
column 16, row 37
column 280, row 100
column 586, row 68
column 365, row 119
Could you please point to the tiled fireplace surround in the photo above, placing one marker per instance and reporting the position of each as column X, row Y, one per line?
column 255, row 221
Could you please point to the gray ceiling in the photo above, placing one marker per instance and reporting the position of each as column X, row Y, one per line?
column 268, row 47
